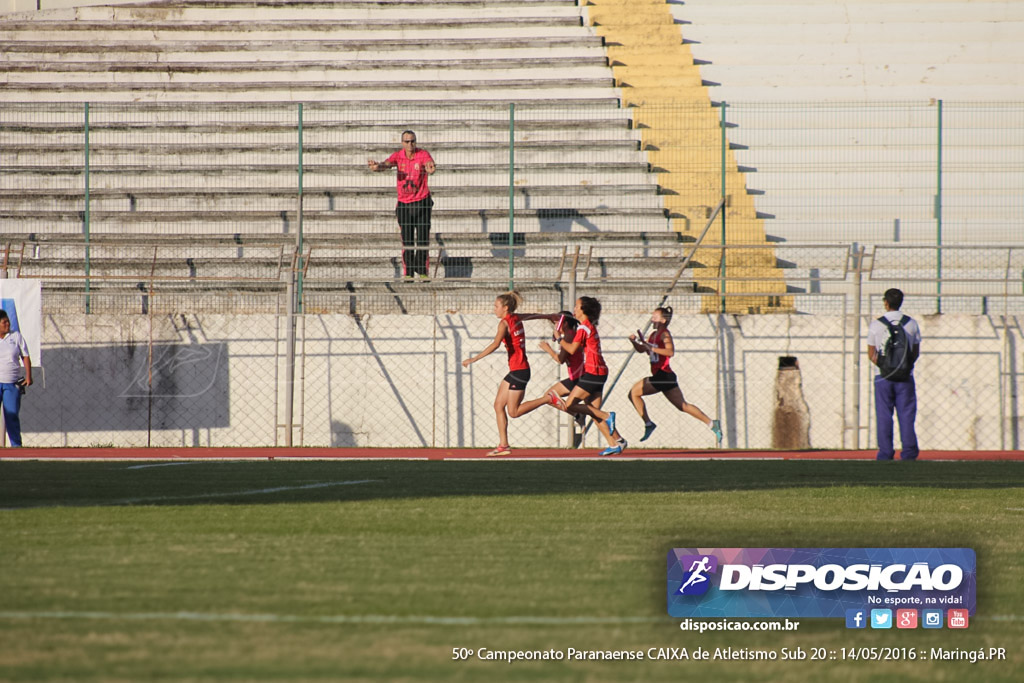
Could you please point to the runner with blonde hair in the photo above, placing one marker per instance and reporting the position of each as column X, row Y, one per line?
column 512, row 388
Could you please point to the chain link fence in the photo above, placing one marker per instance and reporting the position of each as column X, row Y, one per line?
column 209, row 377
column 180, row 244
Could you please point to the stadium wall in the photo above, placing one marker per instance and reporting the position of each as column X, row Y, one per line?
column 397, row 381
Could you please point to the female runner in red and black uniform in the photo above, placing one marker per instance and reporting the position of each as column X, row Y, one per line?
column 583, row 398
column 513, row 386
column 659, row 346
column 565, row 328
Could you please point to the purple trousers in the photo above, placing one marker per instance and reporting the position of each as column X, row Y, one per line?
column 901, row 397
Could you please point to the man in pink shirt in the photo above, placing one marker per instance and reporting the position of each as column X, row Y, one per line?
column 414, row 203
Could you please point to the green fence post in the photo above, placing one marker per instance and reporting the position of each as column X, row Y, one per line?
column 511, row 194
column 938, row 213
column 86, row 216
column 725, row 147
column 298, row 291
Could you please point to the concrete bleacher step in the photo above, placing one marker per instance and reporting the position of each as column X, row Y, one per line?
column 831, row 111
column 258, row 26
column 259, row 127
column 325, row 199
column 628, row 258
column 340, row 114
column 348, row 51
column 222, row 169
column 129, row 177
column 265, row 74
column 481, row 29
column 348, row 158
column 399, row 70
column 236, row 245
column 337, row 21
column 331, row 3
column 861, row 33
column 964, row 229
column 495, row 269
column 324, row 11
column 796, row 11
column 27, row 115
column 879, row 75
column 898, row 53
column 285, row 221
column 305, row 90
column 385, row 267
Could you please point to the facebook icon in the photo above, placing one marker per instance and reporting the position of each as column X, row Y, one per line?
column 856, row 618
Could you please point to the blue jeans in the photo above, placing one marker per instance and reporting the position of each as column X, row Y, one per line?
column 10, row 395
column 901, row 396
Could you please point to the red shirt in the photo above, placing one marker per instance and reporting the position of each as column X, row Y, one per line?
column 412, row 177
column 657, row 340
column 515, row 343
column 575, row 364
column 593, row 360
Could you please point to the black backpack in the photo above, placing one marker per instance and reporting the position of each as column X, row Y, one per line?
column 896, row 358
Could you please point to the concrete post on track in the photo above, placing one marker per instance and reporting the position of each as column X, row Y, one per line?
column 791, row 426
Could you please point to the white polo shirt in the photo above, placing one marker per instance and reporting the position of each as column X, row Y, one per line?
column 878, row 333
column 12, row 349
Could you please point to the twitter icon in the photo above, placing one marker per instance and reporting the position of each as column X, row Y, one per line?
column 881, row 618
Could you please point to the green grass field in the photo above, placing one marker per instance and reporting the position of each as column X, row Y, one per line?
column 373, row 571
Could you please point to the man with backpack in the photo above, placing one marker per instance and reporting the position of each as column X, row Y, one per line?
column 894, row 343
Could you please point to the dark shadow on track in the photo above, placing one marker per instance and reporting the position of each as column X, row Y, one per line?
column 57, row 484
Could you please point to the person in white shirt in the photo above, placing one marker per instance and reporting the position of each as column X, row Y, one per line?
column 893, row 392
column 13, row 353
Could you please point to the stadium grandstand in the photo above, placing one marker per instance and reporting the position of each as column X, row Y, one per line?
column 740, row 156
column 631, row 122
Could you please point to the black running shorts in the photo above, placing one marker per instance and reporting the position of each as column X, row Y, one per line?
column 518, row 379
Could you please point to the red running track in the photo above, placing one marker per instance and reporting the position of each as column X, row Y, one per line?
column 170, row 454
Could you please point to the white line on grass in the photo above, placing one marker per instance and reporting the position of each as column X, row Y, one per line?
column 207, row 496
column 166, row 464
column 360, row 619
column 330, row 619
column 250, row 492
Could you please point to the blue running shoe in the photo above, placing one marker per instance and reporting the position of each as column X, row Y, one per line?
column 648, row 430
column 716, row 429
column 611, row 422
column 612, row 450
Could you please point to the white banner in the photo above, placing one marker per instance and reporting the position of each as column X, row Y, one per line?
column 23, row 302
